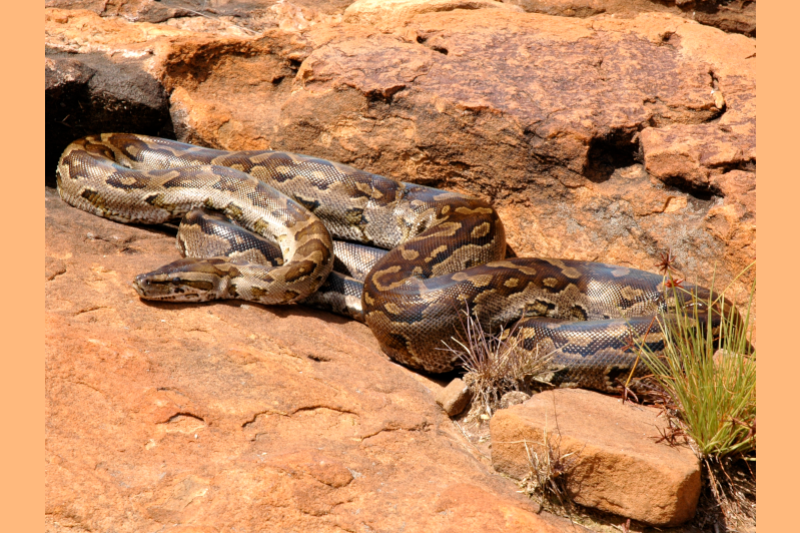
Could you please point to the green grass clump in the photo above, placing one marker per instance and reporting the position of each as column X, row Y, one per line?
column 714, row 395
column 707, row 371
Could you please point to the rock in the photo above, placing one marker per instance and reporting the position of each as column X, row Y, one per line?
column 205, row 110
column 550, row 130
column 392, row 13
column 737, row 16
column 91, row 93
column 513, row 398
column 207, row 417
column 567, row 8
column 454, row 398
column 232, row 17
column 617, row 463
column 132, row 10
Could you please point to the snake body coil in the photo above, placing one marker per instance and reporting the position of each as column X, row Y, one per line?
column 446, row 253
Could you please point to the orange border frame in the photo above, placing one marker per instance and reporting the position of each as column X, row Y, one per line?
column 21, row 394
column 22, row 355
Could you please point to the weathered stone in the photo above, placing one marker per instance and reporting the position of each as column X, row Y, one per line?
column 550, row 130
column 393, row 13
column 81, row 31
column 132, row 10
column 566, row 8
column 227, row 415
column 232, row 17
column 617, row 463
column 454, row 398
column 737, row 16
column 204, row 109
column 90, row 93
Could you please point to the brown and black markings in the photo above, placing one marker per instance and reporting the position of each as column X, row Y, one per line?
column 112, row 188
column 446, row 252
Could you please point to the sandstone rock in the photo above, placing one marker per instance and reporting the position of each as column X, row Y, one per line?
column 195, row 66
column 454, row 398
column 738, row 16
column 233, row 17
column 392, row 13
column 81, row 31
column 205, row 110
column 566, row 8
column 617, row 463
column 132, row 10
column 604, row 139
column 212, row 417
column 550, row 129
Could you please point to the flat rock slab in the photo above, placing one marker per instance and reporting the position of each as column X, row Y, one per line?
column 390, row 13
column 232, row 417
column 617, row 463
column 738, row 16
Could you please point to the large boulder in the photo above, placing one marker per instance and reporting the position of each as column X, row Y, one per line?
column 737, row 16
column 605, row 139
column 236, row 415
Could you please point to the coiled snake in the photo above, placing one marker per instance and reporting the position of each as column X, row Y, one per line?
column 446, row 252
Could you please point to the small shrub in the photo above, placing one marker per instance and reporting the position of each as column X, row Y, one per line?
column 549, row 469
column 708, row 374
column 494, row 364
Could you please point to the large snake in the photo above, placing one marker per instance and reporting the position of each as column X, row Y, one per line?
column 446, row 253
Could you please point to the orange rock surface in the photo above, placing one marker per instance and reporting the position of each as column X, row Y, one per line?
column 613, row 454
column 230, row 417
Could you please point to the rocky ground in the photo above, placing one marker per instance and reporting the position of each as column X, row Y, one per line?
column 235, row 417
column 610, row 131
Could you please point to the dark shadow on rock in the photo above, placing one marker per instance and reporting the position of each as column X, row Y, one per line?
column 91, row 93
column 159, row 229
column 618, row 149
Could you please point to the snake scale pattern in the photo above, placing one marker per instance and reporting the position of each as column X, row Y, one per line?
column 410, row 258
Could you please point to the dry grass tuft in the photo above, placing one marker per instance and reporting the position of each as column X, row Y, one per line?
column 494, row 364
column 549, row 470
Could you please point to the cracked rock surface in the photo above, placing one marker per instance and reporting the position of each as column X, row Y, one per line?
column 230, row 417
column 736, row 16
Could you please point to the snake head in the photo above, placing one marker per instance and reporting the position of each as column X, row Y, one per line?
column 186, row 280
